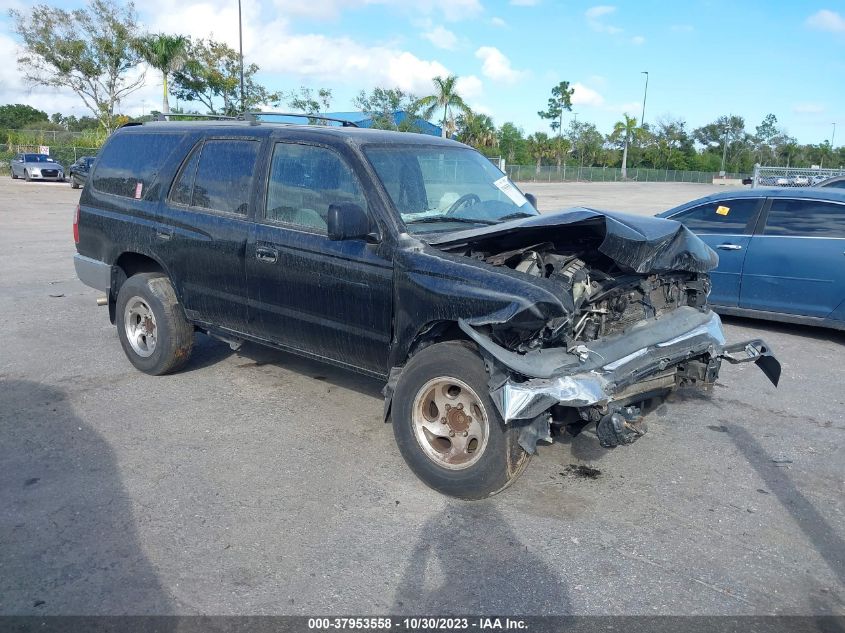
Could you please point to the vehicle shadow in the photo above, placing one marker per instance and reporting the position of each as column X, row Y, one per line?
column 827, row 542
column 69, row 544
column 467, row 559
column 795, row 329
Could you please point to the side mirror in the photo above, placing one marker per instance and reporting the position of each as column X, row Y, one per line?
column 347, row 221
column 532, row 199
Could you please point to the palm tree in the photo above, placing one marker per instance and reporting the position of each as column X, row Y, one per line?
column 626, row 128
column 445, row 96
column 539, row 147
column 166, row 53
column 477, row 130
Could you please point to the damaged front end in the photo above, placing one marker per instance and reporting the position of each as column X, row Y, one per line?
column 638, row 326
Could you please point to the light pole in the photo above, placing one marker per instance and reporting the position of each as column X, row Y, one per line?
column 724, row 154
column 241, row 51
column 645, row 94
column 833, row 135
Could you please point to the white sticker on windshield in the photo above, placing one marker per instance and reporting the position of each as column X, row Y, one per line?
column 507, row 187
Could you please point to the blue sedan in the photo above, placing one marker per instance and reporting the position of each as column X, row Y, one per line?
column 781, row 252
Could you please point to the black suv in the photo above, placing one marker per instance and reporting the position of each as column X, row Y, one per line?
column 406, row 257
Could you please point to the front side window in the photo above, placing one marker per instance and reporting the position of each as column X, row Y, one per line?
column 723, row 216
column 305, row 180
column 806, row 218
column 438, row 189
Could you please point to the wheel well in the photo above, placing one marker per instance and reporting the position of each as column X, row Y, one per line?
column 438, row 332
column 129, row 264
column 134, row 263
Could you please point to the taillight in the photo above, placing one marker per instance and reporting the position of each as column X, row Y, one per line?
column 76, row 225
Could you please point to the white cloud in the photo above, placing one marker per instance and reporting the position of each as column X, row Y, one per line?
column 638, row 40
column 808, row 108
column 496, row 66
column 451, row 10
column 470, row 87
column 827, row 20
column 585, row 96
column 595, row 20
column 498, row 22
column 594, row 13
column 442, row 38
column 525, row 3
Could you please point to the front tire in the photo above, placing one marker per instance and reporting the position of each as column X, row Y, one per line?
column 154, row 333
column 26, row 176
column 73, row 184
column 447, row 427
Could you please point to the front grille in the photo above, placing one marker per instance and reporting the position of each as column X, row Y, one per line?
column 49, row 173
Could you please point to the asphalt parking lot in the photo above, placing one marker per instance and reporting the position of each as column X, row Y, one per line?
column 260, row 483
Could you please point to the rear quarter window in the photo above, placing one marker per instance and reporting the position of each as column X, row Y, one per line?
column 129, row 163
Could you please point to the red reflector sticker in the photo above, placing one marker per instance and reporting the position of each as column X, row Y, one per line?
column 138, row 188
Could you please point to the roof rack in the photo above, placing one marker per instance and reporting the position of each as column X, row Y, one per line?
column 160, row 116
column 252, row 117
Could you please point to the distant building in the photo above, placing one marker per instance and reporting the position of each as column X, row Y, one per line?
column 363, row 119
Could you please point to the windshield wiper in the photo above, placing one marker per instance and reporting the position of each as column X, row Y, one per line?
column 514, row 216
column 450, row 218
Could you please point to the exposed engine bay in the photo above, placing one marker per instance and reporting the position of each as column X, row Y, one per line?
column 607, row 300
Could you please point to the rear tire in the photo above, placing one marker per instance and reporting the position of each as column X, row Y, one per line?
column 154, row 333
column 473, row 454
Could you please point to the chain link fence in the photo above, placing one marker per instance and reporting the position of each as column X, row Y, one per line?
column 64, row 155
column 570, row 173
column 791, row 176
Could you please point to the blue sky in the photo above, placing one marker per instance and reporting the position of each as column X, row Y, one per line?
column 704, row 58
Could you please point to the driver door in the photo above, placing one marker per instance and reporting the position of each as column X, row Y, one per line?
column 329, row 299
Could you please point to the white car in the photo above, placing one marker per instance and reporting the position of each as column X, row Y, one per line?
column 36, row 167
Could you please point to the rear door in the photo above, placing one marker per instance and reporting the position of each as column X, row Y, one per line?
column 725, row 226
column 331, row 299
column 796, row 261
column 204, row 226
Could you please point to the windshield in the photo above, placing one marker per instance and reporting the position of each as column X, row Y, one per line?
column 440, row 189
column 38, row 158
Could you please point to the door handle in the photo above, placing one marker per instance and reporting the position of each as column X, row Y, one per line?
column 163, row 234
column 730, row 247
column 266, row 255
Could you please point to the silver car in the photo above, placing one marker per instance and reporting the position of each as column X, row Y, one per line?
column 36, row 167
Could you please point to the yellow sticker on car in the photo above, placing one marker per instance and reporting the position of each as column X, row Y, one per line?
column 723, row 210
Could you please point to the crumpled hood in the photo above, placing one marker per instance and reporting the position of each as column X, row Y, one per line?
column 642, row 244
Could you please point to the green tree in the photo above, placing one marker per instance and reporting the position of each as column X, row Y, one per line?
column 766, row 138
column 511, row 142
column 211, row 77
column 308, row 100
column 559, row 102
column 165, row 53
column 624, row 131
column 15, row 116
column 446, row 97
column 382, row 104
column 477, row 130
column 88, row 51
column 539, row 148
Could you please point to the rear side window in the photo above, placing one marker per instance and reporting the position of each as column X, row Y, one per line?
column 723, row 216
column 218, row 176
column 806, row 218
column 837, row 184
column 129, row 163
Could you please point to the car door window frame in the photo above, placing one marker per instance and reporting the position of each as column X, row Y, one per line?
column 201, row 145
column 261, row 215
column 750, row 226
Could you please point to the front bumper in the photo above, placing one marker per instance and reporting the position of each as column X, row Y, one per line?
column 643, row 360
